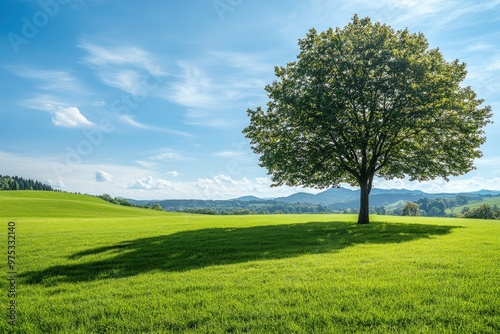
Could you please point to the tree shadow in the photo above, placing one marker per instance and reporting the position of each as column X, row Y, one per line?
column 197, row 249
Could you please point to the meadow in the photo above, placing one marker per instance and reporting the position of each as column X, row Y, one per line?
column 86, row 266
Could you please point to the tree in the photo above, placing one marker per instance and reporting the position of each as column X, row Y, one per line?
column 483, row 212
column 366, row 101
column 380, row 210
column 410, row 209
column 157, row 206
column 436, row 208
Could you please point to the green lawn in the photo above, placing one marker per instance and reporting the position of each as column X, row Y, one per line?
column 86, row 266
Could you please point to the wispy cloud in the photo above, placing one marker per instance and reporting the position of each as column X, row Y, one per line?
column 455, row 185
column 490, row 162
column 168, row 156
column 129, row 81
column 432, row 14
column 45, row 102
column 195, row 89
column 53, row 81
column 130, row 120
column 249, row 62
column 479, row 47
column 127, row 68
column 217, row 87
column 123, row 56
column 236, row 155
column 436, row 13
column 157, row 159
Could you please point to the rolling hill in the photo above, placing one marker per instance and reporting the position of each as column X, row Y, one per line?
column 29, row 203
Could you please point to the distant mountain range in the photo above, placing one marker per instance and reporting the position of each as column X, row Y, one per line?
column 334, row 199
column 342, row 198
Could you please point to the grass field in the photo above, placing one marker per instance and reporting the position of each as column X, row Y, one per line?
column 86, row 266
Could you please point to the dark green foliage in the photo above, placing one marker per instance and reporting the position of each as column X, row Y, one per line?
column 157, row 206
column 19, row 183
column 410, row 209
column 367, row 101
column 108, row 198
column 237, row 207
column 380, row 210
column 483, row 212
column 436, row 207
column 116, row 200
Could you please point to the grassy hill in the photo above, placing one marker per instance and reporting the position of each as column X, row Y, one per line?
column 62, row 205
column 86, row 266
column 488, row 201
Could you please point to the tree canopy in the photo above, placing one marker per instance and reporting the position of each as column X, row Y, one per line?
column 410, row 209
column 367, row 101
column 19, row 183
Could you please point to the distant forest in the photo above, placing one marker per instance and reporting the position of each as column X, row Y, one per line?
column 239, row 207
column 19, row 183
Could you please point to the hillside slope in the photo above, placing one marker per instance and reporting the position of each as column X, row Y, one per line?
column 14, row 204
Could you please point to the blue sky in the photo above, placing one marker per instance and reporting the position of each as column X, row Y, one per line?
column 148, row 99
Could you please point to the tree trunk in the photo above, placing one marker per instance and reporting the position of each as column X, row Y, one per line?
column 364, row 202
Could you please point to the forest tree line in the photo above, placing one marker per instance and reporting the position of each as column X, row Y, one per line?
column 20, row 183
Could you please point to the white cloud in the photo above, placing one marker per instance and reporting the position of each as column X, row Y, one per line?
column 145, row 183
column 494, row 64
column 263, row 180
column 70, row 117
column 250, row 63
column 488, row 162
column 56, row 184
column 127, row 68
column 102, row 176
column 150, row 183
column 209, row 118
column 129, row 120
column 430, row 13
column 51, row 80
column 129, row 81
column 455, row 185
column 433, row 15
column 224, row 186
column 195, row 89
column 125, row 56
column 237, row 155
column 145, row 164
column 217, row 87
column 158, row 159
column 63, row 114
column 44, row 102
column 168, row 156
column 479, row 47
